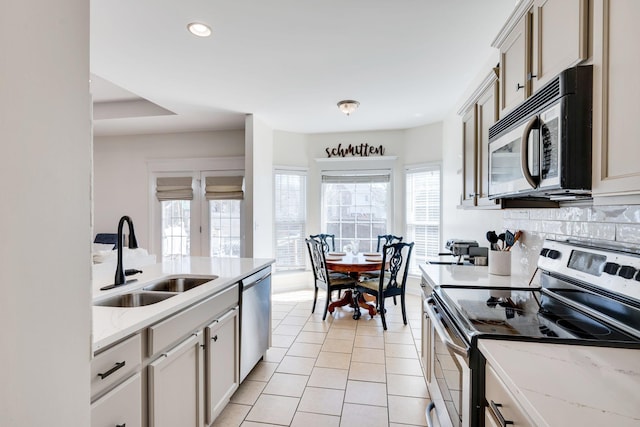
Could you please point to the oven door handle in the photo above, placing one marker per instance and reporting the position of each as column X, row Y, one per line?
column 427, row 413
column 524, row 152
column 442, row 333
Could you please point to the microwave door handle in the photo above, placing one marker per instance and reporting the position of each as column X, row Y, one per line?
column 524, row 152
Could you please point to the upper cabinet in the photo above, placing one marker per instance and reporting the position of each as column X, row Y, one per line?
column 479, row 113
column 540, row 39
column 616, row 135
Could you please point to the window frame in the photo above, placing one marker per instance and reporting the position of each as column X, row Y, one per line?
column 303, row 221
column 415, row 169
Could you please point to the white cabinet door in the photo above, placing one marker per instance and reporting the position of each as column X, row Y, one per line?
column 513, row 67
column 616, row 134
column 175, row 386
column 559, row 38
column 121, row 407
column 222, row 362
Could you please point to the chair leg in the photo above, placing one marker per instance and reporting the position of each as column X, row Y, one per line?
column 326, row 304
column 394, row 300
column 404, row 309
column 384, row 320
column 315, row 298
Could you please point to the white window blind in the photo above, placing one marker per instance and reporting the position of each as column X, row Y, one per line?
column 290, row 218
column 174, row 188
column 356, row 208
column 224, row 188
column 423, row 213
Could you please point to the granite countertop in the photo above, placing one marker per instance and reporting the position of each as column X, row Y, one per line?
column 111, row 324
column 569, row 385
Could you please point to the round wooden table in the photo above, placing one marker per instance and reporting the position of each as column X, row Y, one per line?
column 353, row 265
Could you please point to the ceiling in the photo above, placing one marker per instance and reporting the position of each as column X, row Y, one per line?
column 288, row 62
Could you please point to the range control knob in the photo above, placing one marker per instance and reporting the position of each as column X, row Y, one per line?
column 627, row 271
column 553, row 254
column 544, row 252
column 611, row 268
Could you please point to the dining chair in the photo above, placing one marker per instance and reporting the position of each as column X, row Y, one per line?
column 383, row 239
column 322, row 278
column 324, row 239
column 392, row 281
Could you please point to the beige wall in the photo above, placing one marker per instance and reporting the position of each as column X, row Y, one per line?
column 45, row 129
column 121, row 184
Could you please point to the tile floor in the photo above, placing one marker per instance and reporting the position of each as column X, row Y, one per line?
column 337, row 372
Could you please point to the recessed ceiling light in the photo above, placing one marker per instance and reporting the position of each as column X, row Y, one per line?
column 199, row 29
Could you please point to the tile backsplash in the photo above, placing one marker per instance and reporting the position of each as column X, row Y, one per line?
column 619, row 224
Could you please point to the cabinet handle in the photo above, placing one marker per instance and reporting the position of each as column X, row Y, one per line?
column 531, row 76
column 519, row 86
column 121, row 425
column 496, row 411
column 112, row 370
column 215, row 338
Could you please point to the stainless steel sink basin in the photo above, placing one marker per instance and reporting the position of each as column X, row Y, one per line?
column 178, row 284
column 135, row 299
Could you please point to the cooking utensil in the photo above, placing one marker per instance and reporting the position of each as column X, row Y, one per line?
column 501, row 237
column 516, row 237
column 492, row 237
column 509, row 239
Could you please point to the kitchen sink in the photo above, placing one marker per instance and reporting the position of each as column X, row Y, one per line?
column 178, row 284
column 135, row 299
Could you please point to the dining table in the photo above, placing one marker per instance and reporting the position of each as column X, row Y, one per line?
column 354, row 265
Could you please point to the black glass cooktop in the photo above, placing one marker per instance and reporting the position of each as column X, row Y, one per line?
column 519, row 313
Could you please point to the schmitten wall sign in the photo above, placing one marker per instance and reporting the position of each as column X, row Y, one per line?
column 361, row 150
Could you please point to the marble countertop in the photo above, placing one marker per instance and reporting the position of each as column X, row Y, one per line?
column 111, row 324
column 569, row 385
column 471, row 275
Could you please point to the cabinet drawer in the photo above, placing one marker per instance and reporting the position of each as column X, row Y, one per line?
column 171, row 330
column 501, row 403
column 111, row 366
column 122, row 406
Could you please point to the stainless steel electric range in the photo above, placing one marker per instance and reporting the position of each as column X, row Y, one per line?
column 589, row 295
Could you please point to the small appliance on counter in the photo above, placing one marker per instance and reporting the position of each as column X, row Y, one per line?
column 464, row 250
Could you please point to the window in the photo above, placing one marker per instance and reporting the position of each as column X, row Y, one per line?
column 423, row 213
column 197, row 213
column 290, row 218
column 356, row 209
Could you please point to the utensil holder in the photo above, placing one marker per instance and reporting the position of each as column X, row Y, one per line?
column 500, row 263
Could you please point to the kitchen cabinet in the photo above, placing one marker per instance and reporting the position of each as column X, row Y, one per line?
column 502, row 407
column 222, row 362
column 122, row 406
column 540, row 39
column 481, row 113
column 175, row 385
column 616, row 110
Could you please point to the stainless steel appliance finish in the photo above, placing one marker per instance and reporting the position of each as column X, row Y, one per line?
column 589, row 295
column 255, row 320
column 542, row 149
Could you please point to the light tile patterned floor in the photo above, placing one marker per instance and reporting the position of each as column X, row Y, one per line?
column 337, row 372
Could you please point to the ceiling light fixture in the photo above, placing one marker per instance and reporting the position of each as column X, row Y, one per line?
column 348, row 106
column 199, row 29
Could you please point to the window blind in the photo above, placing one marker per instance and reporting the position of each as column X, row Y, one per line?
column 290, row 219
column 355, row 179
column 224, row 188
column 174, row 188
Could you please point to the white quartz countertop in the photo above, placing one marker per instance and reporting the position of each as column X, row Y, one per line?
column 471, row 275
column 111, row 324
column 569, row 385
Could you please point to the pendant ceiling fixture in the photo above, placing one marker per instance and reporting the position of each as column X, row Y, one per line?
column 348, row 106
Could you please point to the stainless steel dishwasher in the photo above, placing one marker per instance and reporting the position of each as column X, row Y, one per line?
column 255, row 319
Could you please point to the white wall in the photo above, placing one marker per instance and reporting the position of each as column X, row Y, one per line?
column 45, row 179
column 121, row 185
column 259, row 186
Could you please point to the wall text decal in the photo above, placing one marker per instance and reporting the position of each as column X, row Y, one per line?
column 362, row 150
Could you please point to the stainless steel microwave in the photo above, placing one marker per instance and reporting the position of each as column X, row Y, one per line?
column 542, row 149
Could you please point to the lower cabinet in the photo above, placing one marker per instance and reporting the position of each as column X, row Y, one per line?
column 175, row 386
column 222, row 362
column 502, row 407
column 120, row 407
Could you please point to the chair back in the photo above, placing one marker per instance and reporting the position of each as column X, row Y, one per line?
column 328, row 241
column 318, row 262
column 387, row 239
column 397, row 255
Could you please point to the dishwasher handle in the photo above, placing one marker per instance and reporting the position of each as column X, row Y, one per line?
column 246, row 285
column 427, row 413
